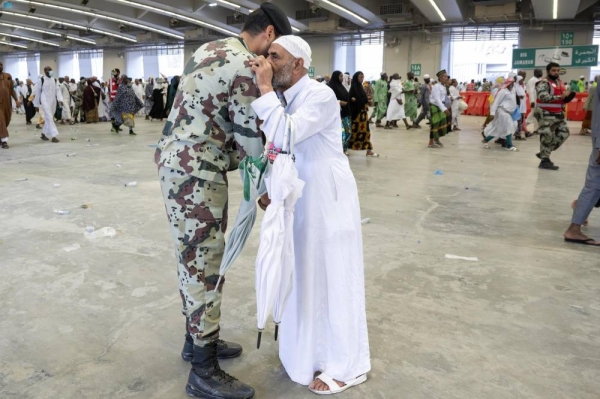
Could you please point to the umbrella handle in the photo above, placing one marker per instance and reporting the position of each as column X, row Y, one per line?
column 258, row 340
column 218, row 282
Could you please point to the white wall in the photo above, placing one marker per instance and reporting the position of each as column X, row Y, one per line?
column 112, row 61
column 323, row 52
column 413, row 50
column 51, row 60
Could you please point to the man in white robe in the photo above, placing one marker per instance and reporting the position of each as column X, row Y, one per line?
column 65, row 91
column 324, row 326
column 47, row 93
column 138, row 89
column 455, row 102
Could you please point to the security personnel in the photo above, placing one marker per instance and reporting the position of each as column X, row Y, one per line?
column 211, row 127
column 552, row 96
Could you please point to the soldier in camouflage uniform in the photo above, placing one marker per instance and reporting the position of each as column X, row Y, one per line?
column 552, row 95
column 211, row 128
column 486, row 86
column 78, row 99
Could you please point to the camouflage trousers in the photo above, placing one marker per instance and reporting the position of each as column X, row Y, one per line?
column 197, row 213
column 553, row 133
column 78, row 111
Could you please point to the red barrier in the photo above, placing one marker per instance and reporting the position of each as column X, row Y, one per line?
column 575, row 110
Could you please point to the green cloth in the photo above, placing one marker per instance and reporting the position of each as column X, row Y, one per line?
column 439, row 122
column 574, row 86
column 410, row 100
column 380, row 92
column 581, row 86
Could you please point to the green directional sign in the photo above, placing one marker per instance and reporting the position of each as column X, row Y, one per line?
column 416, row 69
column 566, row 38
column 311, row 72
column 565, row 56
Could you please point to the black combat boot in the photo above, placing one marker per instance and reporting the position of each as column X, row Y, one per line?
column 547, row 164
column 208, row 381
column 225, row 350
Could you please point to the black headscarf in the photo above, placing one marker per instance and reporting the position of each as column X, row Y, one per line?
column 357, row 91
column 340, row 92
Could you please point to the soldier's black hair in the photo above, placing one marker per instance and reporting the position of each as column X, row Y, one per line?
column 551, row 65
column 257, row 22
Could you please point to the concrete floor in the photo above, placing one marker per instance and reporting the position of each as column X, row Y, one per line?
column 103, row 321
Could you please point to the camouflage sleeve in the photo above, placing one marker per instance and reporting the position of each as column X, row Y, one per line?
column 248, row 138
column 543, row 93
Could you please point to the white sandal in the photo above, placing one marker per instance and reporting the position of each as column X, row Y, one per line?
column 334, row 387
column 374, row 155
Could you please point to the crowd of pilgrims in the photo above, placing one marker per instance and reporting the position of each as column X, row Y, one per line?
column 90, row 100
column 393, row 99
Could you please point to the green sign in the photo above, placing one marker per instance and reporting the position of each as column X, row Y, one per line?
column 416, row 69
column 566, row 38
column 311, row 72
column 565, row 56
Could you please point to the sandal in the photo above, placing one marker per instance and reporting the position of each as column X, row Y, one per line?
column 334, row 387
column 4, row 145
column 373, row 154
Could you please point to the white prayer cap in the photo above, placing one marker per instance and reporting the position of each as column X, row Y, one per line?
column 512, row 75
column 297, row 47
column 519, row 78
column 426, row 76
column 582, row 77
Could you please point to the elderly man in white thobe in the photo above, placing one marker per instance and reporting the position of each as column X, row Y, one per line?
column 47, row 93
column 65, row 91
column 138, row 89
column 324, row 326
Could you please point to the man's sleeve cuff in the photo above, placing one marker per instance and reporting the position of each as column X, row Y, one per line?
column 262, row 104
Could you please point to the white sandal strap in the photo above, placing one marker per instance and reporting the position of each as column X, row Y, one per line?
column 333, row 386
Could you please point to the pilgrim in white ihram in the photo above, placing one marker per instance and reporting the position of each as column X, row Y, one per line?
column 47, row 93
column 324, row 326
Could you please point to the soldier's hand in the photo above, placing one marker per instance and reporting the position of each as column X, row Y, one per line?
column 264, row 73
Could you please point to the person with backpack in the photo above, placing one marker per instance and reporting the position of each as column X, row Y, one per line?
column 47, row 94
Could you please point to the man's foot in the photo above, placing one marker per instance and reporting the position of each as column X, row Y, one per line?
column 225, row 350
column 131, row 132
column 28, row 123
column 43, row 137
column 54, row 140
column 4, row 145
column 547, row 164
column 415, row 126
column 38, row 126
column 388, row 126
column 147, row 118
column 575, row 236
column 113, row 130
column 456, row 129
column 207, row 380
column 320, row 386
column 438, row 143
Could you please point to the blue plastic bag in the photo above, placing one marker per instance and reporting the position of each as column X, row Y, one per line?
column 516, row 116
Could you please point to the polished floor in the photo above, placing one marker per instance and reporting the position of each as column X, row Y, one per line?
column 100, row 318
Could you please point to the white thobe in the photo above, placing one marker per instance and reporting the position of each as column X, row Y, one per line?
column 324, row 325
column 502, row 108
column 531, row 119
column 454, row 94
column 520, row 90
column 22, row 96
column 65, row 91
column 73, row 91
column 395, row 111
column 139, row 93
column 45, row 99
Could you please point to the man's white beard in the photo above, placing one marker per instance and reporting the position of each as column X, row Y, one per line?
column 283, row 78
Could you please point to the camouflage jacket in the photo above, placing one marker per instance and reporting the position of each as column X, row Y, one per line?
column 212, row 125
column 487, row 86
column 542, row 89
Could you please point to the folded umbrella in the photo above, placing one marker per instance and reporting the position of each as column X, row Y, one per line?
column 275, row 258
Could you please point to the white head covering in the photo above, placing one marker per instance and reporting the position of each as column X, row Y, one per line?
column 297, row 47
column 519, row 78
column 426, row 76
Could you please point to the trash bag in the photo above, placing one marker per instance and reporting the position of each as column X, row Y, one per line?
column 58, row 113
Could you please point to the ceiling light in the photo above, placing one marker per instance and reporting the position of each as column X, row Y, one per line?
column 295, row 29
column 180, row 17
column 229, row 3
column 212, row 5
column 12, row 44
column 361, row 19
column 47, row 32
column 435, row 6
column 102, row 16
column 555, row 9
column 31, row 39
column 81, row 27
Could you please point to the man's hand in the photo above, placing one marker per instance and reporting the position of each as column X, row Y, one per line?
column 532, row 105
column 18, row 103
column 447, row 112
column 264, row 201
column 399, row 101
column 343, row 103
column 264, row 74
